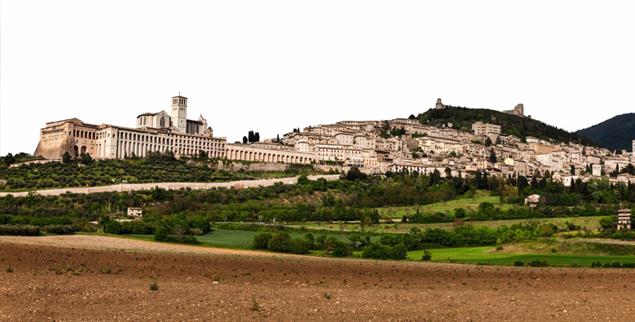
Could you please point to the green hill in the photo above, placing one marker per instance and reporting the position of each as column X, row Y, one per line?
column 616, row 133
column 462, row 118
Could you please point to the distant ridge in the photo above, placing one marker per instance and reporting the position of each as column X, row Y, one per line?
column 520, row 126
column 616, row 133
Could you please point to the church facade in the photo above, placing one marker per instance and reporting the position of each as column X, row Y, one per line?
column 154, row 132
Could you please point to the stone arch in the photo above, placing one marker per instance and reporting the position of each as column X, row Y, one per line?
column 76, row 151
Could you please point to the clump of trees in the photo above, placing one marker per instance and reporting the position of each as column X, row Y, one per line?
column 383, row 251
column 283, row 242
column 252, row 137
column 178, row 229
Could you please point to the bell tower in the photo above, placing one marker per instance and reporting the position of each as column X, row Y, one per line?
column 178, row 113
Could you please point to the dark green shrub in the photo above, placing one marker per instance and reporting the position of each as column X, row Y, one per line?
column 280, row 242
column 161, row 234
column 19, row 230
column 427, row 256
column 519, row 263
column 538, row 263
column 299, row 246
column 380, row 251
column 261, row 241
column 398, row 252
column 60, row 229
column 111, row 227
column 341, row 249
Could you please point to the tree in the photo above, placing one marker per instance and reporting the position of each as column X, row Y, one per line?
column 245, row 140
column 278, row 138
column 492, row 156
column 427, row 256
column 202, row 155
column 522, row 183
column 66, row 158
column 257, row 137
column 9, row 159
column 488, row 141
column 261, row 241
column 354, row 173
column 250, row 136
column 85, row 158
column 341, row 249
column 459, row 213
column 412, row 117
column 280, row 242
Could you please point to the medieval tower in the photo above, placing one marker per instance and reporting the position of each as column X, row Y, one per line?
column 178, row 113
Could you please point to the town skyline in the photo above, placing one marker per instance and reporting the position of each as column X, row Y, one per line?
column 237, row 134
column 270, row 71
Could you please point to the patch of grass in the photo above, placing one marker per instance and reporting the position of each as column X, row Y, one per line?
column 154, row 286
column 487, row 256
column 467, row 203
column 9, row 269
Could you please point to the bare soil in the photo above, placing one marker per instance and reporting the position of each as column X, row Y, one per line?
column 104, row 278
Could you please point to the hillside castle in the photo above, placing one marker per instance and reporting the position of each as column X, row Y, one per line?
column 373, row 146
column 518, row 110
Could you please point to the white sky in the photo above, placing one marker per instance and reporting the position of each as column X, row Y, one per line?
column 271, row 66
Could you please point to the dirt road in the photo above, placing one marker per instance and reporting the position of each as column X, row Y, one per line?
column 103, row 278
column 170, row 186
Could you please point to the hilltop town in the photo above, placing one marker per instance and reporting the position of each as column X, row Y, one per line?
column 375, row 147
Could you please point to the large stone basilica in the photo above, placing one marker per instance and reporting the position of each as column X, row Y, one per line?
column 160, row 132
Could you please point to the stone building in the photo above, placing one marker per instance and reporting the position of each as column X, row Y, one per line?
column 267, row 153
column 486, row 129
column 623, row 220
column 519, row 110
column 155, row 132
column 439, row 105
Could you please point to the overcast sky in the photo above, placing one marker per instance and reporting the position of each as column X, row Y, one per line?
column 271, row 66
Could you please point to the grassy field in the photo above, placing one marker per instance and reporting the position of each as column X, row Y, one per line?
column 240, row 239
column 470, row 203
column 489, row 255
column 592, row 223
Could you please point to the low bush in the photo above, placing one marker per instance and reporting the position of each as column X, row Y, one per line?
column 427, row 256
column 60, row 229
column 538, row 263
column 381, row 251
column 261, row 241
column 19, row 230
column 341, row 249
column 280, row 242
column 283, row 243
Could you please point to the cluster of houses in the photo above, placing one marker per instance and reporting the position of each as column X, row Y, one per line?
column 407, row 145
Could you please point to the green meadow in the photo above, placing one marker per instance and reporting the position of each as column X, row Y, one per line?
column 489, row 255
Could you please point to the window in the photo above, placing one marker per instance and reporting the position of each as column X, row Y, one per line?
column 162, row 122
